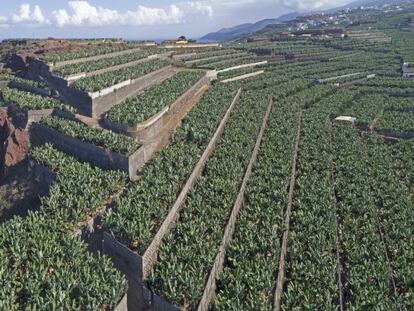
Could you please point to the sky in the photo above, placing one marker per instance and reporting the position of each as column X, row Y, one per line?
column 139, row 19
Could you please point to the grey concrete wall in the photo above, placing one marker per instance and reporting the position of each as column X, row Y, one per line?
column 22, row 118
column 79, row 100
column 401, row 94
column 81, row 150
column 395, row 134
column 124, row 259
column 143, row 131
column 108, row 69
column 97, row 106
column 218, row 266
column 123, row 304
column 97, row 57
column 224, row 57
column 29, row 88
column 150, row 256
column 45, row 177
column 103, row 104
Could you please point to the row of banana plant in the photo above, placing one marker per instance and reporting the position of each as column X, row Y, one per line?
column 189, row 250
column 367, row 274
column 79, row 189
column 251, row 264
column 312, row 282
column 394, row 199
column 94, row 65
column 206, row 54
column 44, row 265
column 397, row 121
column 97, row 136
column 213, row 59
column 139, row 108
column 5, row 76
column 103, row 80
column 89, row 51
column 30, row 101
column 142, row 209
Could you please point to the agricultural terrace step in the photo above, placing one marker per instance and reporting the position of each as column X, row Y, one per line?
column 137, row 267
column 88, row 152
column 211, row 286
column 74, row 77
column 29, row 88
column 284, row 248
column 220, row 57
column 242, row 77
column 95, row 107
column 111, row 97
column 202, row 54
column 151, row 127
column 97, row 57
column 25, row 117
column 243, row 66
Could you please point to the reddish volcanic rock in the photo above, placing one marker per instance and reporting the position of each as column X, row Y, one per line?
column 14, row 144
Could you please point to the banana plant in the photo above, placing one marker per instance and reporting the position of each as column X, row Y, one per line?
column 141, row 107
column 100, row 137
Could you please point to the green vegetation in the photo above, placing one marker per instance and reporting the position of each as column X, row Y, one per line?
column 103, row 138
column 104, row 63
column 10, row 77
column 44, row 265
column 92, row 50
column 142, row 107
column 26, row 100
column 107, row 79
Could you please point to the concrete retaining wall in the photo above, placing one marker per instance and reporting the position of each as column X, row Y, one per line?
column 155, row 124
column 23, row 118
column 94, row 107
column 91, row 58
column 202, row 54
column 214, row 57
column 218, row 266
column 78, row 76
column 136, row 267
column 88, row 152
column 103, row 104
column 29, row 88
column 395, row 134
column 401, row 94
column 150, row 255
column 123, row 304
column 243, row 66
column 248, row 75
column 44, row 176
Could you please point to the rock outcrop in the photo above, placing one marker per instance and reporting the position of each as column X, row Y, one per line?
column 14, row 144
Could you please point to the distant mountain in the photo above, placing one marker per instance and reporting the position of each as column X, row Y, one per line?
column 236, row 31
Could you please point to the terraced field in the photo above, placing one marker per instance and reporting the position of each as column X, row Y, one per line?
column 251, row 195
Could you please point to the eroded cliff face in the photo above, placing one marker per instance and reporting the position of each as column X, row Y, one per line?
column 14, row 144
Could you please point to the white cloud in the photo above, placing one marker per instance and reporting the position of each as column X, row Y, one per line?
column 304, row 5
column 28, row 16
column 199, row 8
column 82, row 13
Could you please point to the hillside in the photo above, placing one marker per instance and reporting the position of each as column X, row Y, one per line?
column 236, row 31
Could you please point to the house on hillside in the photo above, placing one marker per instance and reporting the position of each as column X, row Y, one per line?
column 407, row 71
